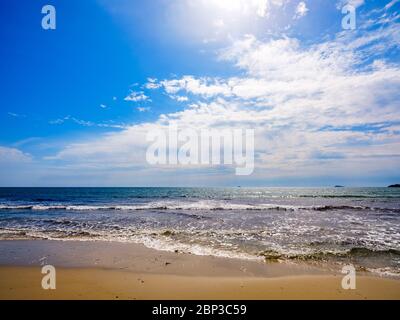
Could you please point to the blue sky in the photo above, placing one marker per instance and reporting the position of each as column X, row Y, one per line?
column 76, row 101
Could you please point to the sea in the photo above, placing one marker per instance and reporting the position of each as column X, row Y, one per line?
column 332, row 226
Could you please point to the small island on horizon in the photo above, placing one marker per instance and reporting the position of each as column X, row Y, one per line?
column 397, row 185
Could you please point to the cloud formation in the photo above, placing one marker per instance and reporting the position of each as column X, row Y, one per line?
column 13, row 155
column 301, row 10
column 316, row 109
column 328, row 107
column 136, row 96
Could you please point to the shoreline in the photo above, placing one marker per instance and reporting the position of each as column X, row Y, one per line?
column 112, row 270
column 139, row 258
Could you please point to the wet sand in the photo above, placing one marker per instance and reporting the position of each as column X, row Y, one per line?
column 109, row 270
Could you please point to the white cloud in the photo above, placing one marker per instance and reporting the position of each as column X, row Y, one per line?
column 59, row 120
column 317, row 109
column 301, row 10
column 85, row 123
column 179, row 98
column 13, row 155
column 201, row 86
column 16, row 115
column 391, row 4
column 136, row 96
column 355, row 3
column 143, row 109
column 262, row 8
column 103, row 106
column 152, row 84
column 219, row 23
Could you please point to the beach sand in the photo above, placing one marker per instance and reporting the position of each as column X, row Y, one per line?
column 109, row 270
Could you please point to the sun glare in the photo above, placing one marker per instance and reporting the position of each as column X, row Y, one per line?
column 218, row 20
column 259, row 7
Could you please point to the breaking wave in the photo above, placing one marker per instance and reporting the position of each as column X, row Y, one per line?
column 204, row 205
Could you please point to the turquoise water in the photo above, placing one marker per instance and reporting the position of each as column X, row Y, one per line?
column 337, row 225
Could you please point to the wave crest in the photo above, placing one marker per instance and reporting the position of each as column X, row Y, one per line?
column 202, row 205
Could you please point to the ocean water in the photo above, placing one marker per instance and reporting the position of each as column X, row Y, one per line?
column 320, row 225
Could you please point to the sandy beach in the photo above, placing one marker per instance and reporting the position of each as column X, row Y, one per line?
column 111, row 270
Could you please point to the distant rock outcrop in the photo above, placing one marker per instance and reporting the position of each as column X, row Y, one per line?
column 394, row 186
column 339, row 186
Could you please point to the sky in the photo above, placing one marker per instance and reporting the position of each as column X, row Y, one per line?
column 77, row 102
